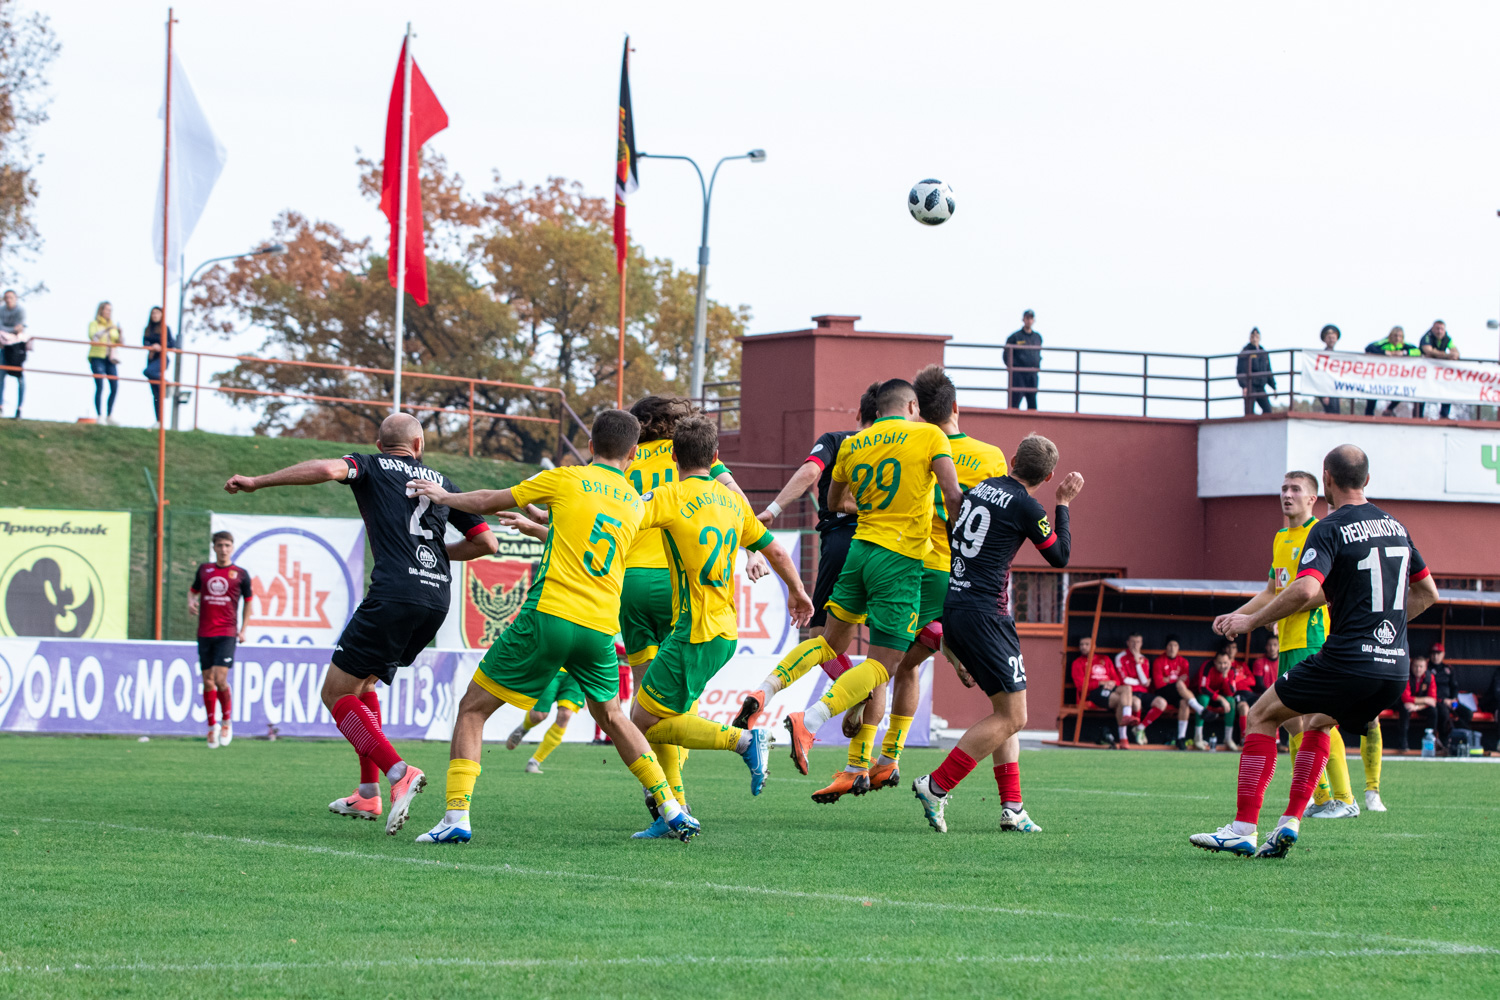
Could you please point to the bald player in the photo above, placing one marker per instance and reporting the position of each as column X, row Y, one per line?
column 405, row 605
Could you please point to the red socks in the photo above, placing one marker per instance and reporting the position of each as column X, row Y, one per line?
column 224, row 706
column 362, row 730
column 835, row 667
column 210, row 702
column 1312, row 757
column 1008, row 780
column 368, row 772
column 1257, row 764
column 954, row 768
column 1151, row 716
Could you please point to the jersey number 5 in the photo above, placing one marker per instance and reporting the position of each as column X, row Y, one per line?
column 596, row 565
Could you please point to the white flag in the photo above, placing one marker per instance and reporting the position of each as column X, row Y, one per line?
column 197, row 160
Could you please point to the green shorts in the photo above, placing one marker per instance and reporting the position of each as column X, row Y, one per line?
column 680, row 672
column 883, row 588
column 934, row 593
column 563, row 690
column 523, row 663
column 1289, row 658
column 645, row 611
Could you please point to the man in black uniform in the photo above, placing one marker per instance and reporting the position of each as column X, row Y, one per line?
column 835, row 531
column 405, row 605
column 997, row 517
column 1023, row 357
column 1361, row 562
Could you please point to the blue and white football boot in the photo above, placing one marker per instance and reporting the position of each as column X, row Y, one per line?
column 932, row 803
column 757, row 758
column 683, row 826
column 448, row 833
column 1281, row 839
column 1225, row 839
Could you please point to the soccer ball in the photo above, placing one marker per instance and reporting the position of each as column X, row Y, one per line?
column 931, row 202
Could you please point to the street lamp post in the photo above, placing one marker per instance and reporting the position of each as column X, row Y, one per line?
column 181, row 323
column 700, row 320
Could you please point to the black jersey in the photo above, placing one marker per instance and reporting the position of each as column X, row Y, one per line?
column 406, row 533
column 825, row 452
column 997, row 516
column 1364, row 559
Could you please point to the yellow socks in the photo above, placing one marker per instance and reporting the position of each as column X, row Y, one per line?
column 1337, row 771
column 671, row 766
column 1371, row 745
column 462, row 775
column 861, row 747
column 649, row 773
column 695, row 732
column 550, row 742
column 895, row 737
column 854, row 685
column 803, row 657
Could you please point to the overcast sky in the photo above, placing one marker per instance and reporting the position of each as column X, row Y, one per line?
column 1146, row 176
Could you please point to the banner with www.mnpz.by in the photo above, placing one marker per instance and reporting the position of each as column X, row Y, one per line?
column 64, row 573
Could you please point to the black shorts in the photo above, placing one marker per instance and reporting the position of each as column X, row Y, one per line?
column 1312, row 686
column 215, row 651
column 383, row 636
column 1099, row 698
column 833, row 549
column 1168, row 693
column 988, row 647
column 13, row 355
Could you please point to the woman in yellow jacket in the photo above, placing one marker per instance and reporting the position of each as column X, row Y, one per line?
column 104, row 359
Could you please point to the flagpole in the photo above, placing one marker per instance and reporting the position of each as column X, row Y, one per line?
column 401, row 223
column 161, row 384
column 620, row 371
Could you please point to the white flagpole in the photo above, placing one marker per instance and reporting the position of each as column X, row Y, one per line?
column 401, row 223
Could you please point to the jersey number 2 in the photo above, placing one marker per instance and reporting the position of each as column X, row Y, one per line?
column 414, row 526
column 590, row 559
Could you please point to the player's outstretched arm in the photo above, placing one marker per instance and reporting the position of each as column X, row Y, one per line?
column 802, row 480
column 309, row 473
column 524, row 524
column 476, row 546
column 1302, row 594
column 479, row 502
column 1420, row 595
column 798, row 604
column 947, row 477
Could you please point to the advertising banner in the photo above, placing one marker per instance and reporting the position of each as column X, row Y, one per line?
column 64, row 573
column 488, row 593
column 765, row 628
column 307, row 574
column 1379, row 376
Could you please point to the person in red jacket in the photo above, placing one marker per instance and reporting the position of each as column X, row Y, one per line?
column 1418, row 700
column 1095, row 677
column 219, row 592
column 1217, row 688
column 1266, row 667
column 1170, row 677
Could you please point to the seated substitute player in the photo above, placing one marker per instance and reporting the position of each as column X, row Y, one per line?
column 997, row 517
column 1098, row 680
column 835, row 532
column 893, row 469
column 1362, row 563
column 1264, row 669
column 568, row 620
column 219, row 592
column 565, row 693
column 1218, row 689
column 1134, row 668
column 405, row 605
column 1170, row 674
column 703, row 527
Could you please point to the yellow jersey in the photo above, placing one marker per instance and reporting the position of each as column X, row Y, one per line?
column 594, row 515
column 888, row 466
column 975, row 461
column 652, row 468
column 1306, row 629
column 703, row 524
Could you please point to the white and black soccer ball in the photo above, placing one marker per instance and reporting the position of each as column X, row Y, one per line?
column 931, row 202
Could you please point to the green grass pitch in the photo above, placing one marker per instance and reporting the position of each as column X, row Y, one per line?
column 163, row 870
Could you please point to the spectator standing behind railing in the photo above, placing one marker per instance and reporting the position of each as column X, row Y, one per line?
column 1394, row 345
column 156, row 331
column 1253, row 372
column 1436, row 343
column 1330, row 335
column 105, row 338
column 14, row 341
column 1023, row 357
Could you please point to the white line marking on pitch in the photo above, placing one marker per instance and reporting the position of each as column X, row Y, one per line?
column 735, row 960
column 1112, row 791
column 1452, row 947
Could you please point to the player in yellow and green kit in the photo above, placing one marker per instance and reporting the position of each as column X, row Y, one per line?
column 568, row 620
column 703, row 526
column 974, row 462
column 563, row 692
column 888, row 472
column 1303, row 634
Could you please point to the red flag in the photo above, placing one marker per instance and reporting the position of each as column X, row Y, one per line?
column 625, row 175
column 427, row 119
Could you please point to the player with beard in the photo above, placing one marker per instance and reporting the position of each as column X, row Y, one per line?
column 1362, row 563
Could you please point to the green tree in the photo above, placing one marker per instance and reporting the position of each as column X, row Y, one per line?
column 27, row 47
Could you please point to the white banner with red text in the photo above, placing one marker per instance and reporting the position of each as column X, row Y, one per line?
column 1393, row 377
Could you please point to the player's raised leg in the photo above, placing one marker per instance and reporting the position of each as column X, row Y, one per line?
column 342, row 694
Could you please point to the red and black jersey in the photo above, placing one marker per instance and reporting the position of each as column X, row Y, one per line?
column 222, row 588
column 1420, row 687
column 824, row 452
column 998, row 516
column 1165, row 672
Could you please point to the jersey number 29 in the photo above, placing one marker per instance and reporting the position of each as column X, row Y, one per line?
column 972, row 525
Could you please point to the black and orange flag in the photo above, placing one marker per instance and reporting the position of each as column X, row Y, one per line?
column 626, row 180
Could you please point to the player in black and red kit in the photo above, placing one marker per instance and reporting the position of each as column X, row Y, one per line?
column 405, row 605
column 997, row 517
column 219, row 591
column 1361, row 562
